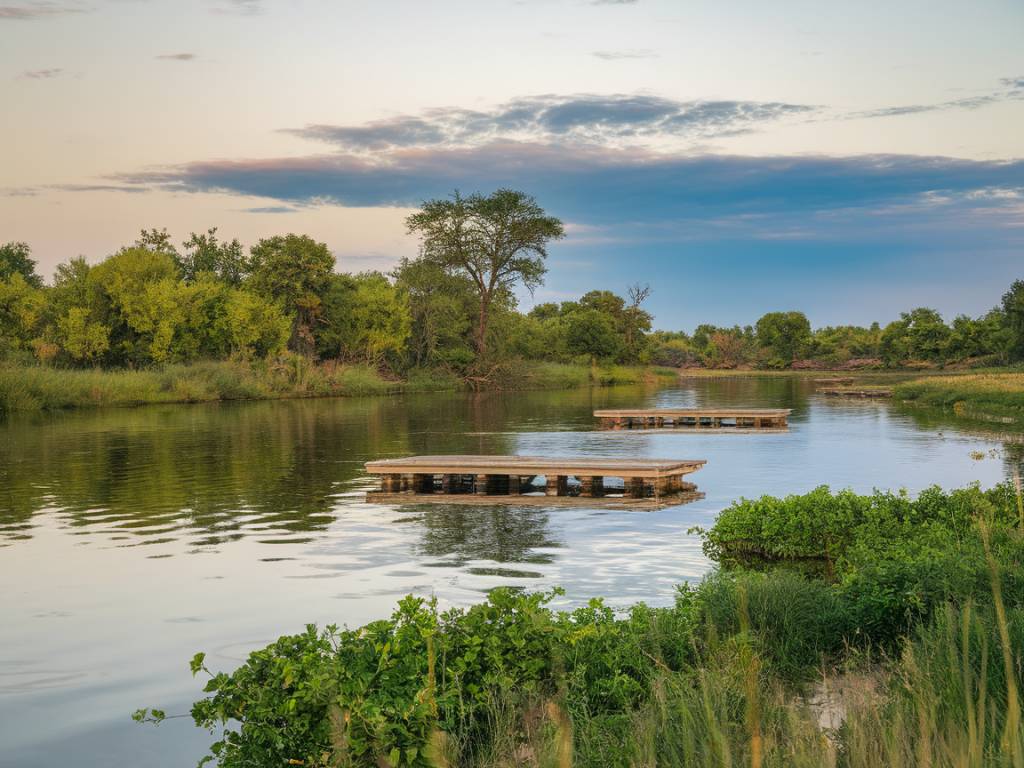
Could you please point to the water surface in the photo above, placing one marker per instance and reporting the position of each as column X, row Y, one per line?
column 130, row 539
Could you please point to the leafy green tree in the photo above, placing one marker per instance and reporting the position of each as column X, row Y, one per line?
column 919, row 334
column 672, row 348
column 1013, row 310
column 157, row 241
column 636, row 322
column 293, row 270
column 136, row 297
column 837, row 344
column 365, row 317
column 979, row 337
column 441, row 306
column 15, row 258
column 591, row 332
column 784, row 336
column 205, row 253
column 80, row 337
column 253, row 326
column 497, row 241
column 21, row 311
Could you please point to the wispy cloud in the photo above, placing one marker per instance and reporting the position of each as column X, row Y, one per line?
column 41, row 74
column 636, row 53
column 1013, row 90
column 613, row 2
column 271, row 209
column 589, row 118
column 38, row 10
column 177, row 56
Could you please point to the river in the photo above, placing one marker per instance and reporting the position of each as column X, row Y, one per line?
column 132, row 538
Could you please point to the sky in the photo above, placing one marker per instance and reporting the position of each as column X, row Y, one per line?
column 848, row 159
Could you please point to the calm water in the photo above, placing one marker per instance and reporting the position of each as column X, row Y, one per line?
column 130, row 539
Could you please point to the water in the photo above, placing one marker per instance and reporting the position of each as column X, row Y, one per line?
column 130, row 539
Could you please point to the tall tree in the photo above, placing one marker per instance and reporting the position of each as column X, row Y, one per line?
column 205, row 253
column 157, row 241
column 294, row 270
column 785, row 335
column 498, row 241
column 15, row 258
column 1013, row 308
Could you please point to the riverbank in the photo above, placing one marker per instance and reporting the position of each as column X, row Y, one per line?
column 839, row 628
column 980, row 395
column 34, row 388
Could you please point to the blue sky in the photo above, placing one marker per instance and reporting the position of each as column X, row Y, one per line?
column 851, row 161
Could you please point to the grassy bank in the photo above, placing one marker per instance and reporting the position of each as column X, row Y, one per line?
column 977, row 395
column 839, row 630
column 33, row 388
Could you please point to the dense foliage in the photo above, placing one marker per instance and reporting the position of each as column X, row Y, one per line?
column 934, row 582
column 452, row 308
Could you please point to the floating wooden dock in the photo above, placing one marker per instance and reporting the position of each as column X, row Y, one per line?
column 836, row 380
column 743, row 419
column 508, row 477
column 851, row 392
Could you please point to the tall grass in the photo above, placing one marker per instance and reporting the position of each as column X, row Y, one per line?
column 34, row 387
column 28, row 388
column 968, row 394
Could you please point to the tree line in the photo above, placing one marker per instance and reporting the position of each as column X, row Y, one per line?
column 453, row 306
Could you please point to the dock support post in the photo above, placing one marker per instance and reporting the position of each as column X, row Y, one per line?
column 592, row 485
column 450, row 483
column 557, row 485
column 481, row 485
column 408, row 483
column 635, row 487
column 757, row 422
column 390, row 483
column 514, row 485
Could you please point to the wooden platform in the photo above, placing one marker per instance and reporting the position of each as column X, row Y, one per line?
column 851, row 392
column 741, row 419
column 512, row 476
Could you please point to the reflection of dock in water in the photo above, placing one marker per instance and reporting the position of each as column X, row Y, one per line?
column 511, row 479
column 697, row 419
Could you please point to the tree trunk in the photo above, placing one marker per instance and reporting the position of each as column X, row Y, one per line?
column 481, row 329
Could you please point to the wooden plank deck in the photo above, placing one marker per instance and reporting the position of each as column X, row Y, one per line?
column 741, row 419
column 852, row 392
column 512, row 476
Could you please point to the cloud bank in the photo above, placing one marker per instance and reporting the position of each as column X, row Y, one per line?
column 580, row 118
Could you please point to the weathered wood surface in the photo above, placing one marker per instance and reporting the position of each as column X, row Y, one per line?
column 718, row 412
column 734, row 419
column 534, row 465
column 851, row 392
column 511, row 477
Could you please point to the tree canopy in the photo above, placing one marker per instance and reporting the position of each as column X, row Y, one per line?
column 498, row 241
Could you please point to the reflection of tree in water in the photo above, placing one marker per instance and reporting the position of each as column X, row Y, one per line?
column 755, row 392
column 1011, row 435
column 264, row 467
column 503, row 534
column 218, row 471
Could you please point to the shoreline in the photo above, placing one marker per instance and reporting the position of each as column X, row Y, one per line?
column 32, row 388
